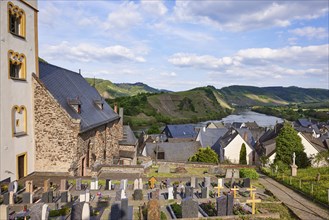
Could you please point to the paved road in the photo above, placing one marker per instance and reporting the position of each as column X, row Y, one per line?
column 302, row 207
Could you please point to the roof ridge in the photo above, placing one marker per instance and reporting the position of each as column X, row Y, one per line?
column 58, row 67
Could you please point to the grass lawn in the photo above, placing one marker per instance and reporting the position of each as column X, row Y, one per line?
column 197, row 172
column 304, row 180
column 277, row 208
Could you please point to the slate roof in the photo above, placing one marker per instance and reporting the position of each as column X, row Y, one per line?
column 209, row 136
column 174, row 152
column 250, row 138
column 128, row 136
column 180, row 131
column 64, row 85
column 316, row 142
column 304, row 122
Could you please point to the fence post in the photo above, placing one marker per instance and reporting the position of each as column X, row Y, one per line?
column 312, row 188
column 300, row 184
column 290, row 180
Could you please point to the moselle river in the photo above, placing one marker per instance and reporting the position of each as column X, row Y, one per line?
column 250, row 116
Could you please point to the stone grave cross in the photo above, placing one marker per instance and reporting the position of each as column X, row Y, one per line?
column 253, row 202
column 250, row 190
column 234, row 189
column 219, row 187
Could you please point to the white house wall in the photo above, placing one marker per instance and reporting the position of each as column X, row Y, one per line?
column 16, row 92
column 232, row 150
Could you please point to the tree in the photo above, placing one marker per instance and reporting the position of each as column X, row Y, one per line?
column 243, row 154
column 154, row 129
column 205, row 155
column 288, row 142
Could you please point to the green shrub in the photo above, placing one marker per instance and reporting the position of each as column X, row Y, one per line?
column 163, row 216
column 249, row 173
column 177, row 209
column 205, row 155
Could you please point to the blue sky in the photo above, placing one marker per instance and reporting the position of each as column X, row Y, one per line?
column 180, row 45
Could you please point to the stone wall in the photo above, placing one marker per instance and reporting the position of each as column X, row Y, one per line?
column 55, row 132
column 59, row 145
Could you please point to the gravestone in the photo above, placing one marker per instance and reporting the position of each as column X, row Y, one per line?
column 78, row 184
column 221, row 203
column 64, row 196
column 193, row 182
column 29, row 186
column 164, row 168
column 204, row 193
column 155, row 194
column 44, row 197
column 87, row 195
column 80, row 211
column 153, row 209
column 168, row 182
column 108, row 184
column 136, row 184
column 12, row 187
column 46, row 185
column 120, row 194
column 140, row 183
column 124, row 209
column 229, row 206
column 50, row 196
column 11, row 198
column 170, row 193
column 39, row 211
column 138, row 194
column 232, row 173
column 63, row 184
column 190, row 208
column 6, row 198
column 207, row 181
column 188, row 192
column 94, row 184
column 123, row 184
column 175, row 192
column 246, row 182
column 196, row 183
column 220, row 182
column 27, row 198
column 4, row 212
column 82, row 197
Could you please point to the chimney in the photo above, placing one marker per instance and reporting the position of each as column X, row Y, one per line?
column 115, row 108
column 80, row 71
column 121, row 115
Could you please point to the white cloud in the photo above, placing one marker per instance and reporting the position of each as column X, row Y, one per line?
column 260, row 62
column 234, row 15
column 172, row 74
column 155, row 7
column 126, row 15
column 311, row 32
column 87, row 53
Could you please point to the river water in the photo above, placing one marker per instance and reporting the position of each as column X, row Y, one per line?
column 249, row 116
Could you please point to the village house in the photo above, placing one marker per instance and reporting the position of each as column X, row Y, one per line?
column 75, row 129
column 181, row 132
column 18, row 60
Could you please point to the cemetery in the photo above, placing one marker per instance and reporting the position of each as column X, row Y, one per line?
column 204, row 195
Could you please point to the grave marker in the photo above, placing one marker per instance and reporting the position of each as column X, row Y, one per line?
column 207, row 181
column 6, row 198
column 78, row 184
column 140, row 183
column 4, row 212
column 204, row 193
column 246, row 182
column 82, row 197
column 63, row 184
column 29, row 186
column 87, row 195
column 219, row 187
column 80, row 211
column 164, row 168
column 250, row 190
column 11, row 198
column 153, row 209
column 193, row 182
column 221, row 203
column 138, row 194
column 123, row 184
column 46, row 185
column 175, row 192
column 190, row 208
column 108, row 184
column 152, row 182
column 170, row 193
column 27, row 198
column 188, row 192
column 229, row 206
column 136, row 184
column 64, row 196
column 39, row 211
column 234, row 189
column 253, row 202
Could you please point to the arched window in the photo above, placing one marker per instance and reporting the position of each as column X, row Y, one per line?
column 19, row 121
column 16, row 20
column 16, row 65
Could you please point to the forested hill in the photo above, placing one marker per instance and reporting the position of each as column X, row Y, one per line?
column 250, row 96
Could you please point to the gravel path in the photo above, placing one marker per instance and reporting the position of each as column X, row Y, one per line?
column 302, row 207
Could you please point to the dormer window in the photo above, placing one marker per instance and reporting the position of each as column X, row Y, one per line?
column 99, row 103
column 16, row 20
column 75, row 104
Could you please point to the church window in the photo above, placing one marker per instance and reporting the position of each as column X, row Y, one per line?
column 17, row 67
column 16, row 20
column 19, row 120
